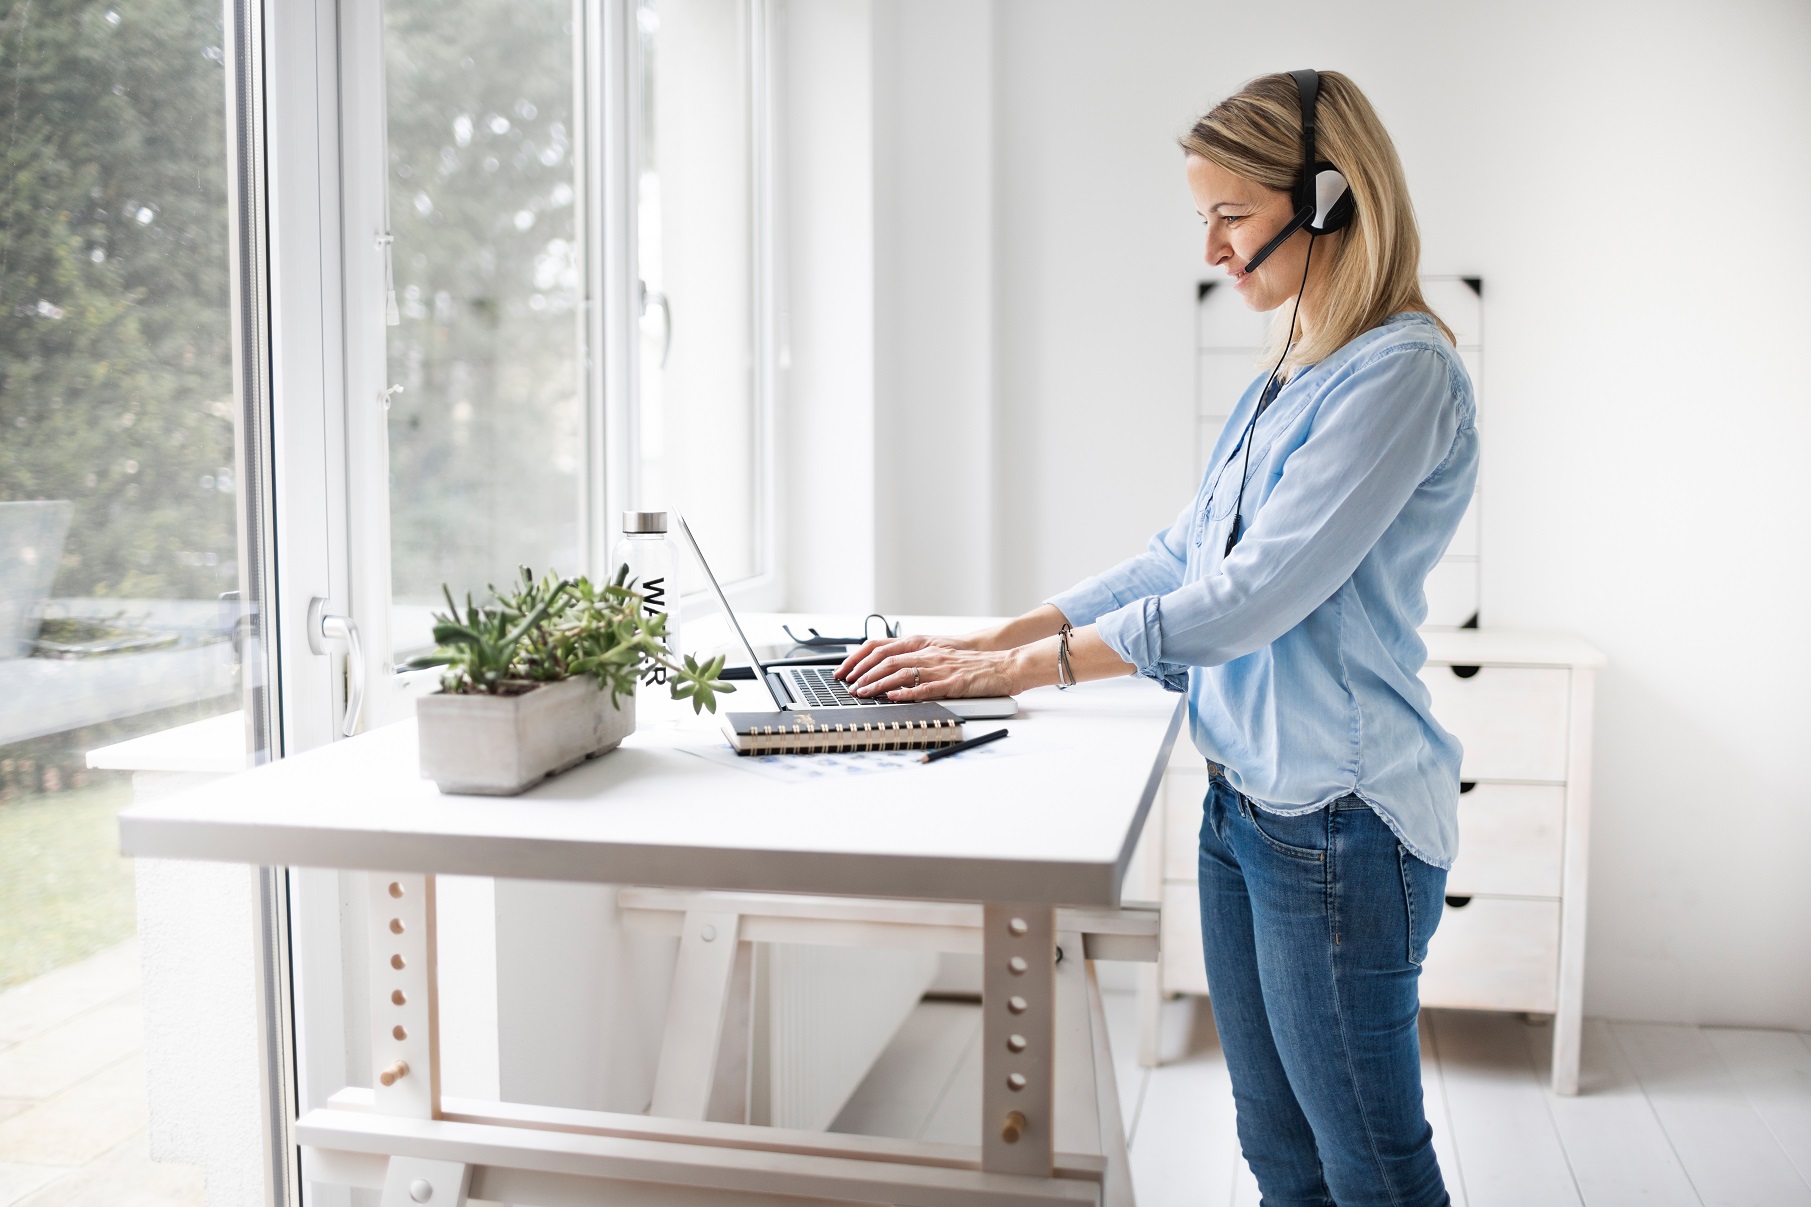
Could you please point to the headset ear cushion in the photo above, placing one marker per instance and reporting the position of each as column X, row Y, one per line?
column 1333, row 205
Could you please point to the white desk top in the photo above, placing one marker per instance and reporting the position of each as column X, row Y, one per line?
column 1054, row 823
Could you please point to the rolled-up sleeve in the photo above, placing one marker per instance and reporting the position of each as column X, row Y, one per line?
column 1377, row 436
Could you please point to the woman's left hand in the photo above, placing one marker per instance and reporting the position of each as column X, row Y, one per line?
column 936, row 672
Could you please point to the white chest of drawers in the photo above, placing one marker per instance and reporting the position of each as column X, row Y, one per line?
column 1512, row 936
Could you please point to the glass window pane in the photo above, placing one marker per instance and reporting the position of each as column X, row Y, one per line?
column 121, row 641
column 486, row 442
column 695, row 412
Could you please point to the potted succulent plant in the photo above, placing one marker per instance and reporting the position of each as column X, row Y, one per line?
column 541, row 678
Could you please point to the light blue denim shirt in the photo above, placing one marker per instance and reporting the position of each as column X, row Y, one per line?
column 1299, row 651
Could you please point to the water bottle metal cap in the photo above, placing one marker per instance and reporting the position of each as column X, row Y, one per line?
column 644, row 521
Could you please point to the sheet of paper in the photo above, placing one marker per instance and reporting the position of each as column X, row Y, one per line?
column 800, row 768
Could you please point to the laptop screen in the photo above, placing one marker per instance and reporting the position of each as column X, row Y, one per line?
column 729, row 613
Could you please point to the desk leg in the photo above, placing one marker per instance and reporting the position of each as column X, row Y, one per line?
column 1118, row 1189
column 1150, row 1014
column 413, row 1180
column 702, row 982
column 405, row 1017
column 1018, row 1035
column 1077, row 1124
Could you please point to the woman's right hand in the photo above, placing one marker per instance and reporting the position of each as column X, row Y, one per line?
column 1040, row 622
column 877, row 649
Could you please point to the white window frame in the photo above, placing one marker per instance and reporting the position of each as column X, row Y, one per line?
column 607, row 68
column 282, row 62
column 328, row 358
column 765, row 590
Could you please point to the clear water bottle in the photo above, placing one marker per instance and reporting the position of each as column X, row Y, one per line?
column 649, row 556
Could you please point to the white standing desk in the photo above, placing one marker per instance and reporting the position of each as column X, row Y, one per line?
column 1040, row 838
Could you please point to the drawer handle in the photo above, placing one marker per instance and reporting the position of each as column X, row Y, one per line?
column 1466, row 672
column 1466, row 786
column 1458, row 902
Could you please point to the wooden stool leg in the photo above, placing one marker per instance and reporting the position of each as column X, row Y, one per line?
column 415, row 1181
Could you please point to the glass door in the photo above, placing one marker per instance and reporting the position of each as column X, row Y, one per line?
column 141, row 635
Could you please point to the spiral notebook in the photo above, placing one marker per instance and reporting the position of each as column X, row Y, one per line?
column 903, row 727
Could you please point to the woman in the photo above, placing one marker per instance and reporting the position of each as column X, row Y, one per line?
column 1284, row 600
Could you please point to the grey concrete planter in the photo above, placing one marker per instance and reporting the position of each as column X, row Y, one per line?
column 502, row 745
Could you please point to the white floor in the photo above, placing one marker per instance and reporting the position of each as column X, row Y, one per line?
column 1666, row 1114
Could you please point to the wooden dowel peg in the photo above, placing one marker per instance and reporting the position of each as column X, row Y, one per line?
column 1013, row 1128
column 394, row 1073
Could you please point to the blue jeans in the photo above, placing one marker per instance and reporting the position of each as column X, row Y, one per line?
column 1314, row 928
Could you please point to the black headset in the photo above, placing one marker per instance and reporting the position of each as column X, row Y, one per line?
column 1323, row 200
column 1323, row 204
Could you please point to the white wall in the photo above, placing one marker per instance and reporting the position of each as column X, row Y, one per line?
column 933, row 305
column 826, row 328
column 1624, row 178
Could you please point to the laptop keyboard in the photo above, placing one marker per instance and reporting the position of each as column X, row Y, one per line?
column 821, row 690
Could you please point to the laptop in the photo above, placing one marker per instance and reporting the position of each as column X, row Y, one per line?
column 814, row 687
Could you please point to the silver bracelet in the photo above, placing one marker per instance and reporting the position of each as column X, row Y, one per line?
column 1065, row 674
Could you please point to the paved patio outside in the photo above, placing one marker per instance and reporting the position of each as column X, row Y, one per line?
column 73, row 1113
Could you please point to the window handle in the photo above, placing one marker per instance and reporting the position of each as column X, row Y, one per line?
column 327, row 632
column 385, row 243
column 651, row 298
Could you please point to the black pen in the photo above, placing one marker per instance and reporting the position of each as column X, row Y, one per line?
column 959, row 747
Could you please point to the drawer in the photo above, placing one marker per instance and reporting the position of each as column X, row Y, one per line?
column 1510, row 841
column 1179, row 933
column 1494, row 953
column 1511, row 719
column 1183, row 793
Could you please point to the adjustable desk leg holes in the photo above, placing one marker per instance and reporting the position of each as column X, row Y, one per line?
column 405, row 1051
column 1018, row 1034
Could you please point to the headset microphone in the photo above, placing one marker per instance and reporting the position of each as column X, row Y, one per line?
column 1295, row 224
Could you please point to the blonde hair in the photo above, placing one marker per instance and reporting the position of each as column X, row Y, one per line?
column 1256, row 133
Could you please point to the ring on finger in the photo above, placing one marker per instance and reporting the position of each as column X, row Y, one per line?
column 915, row 676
